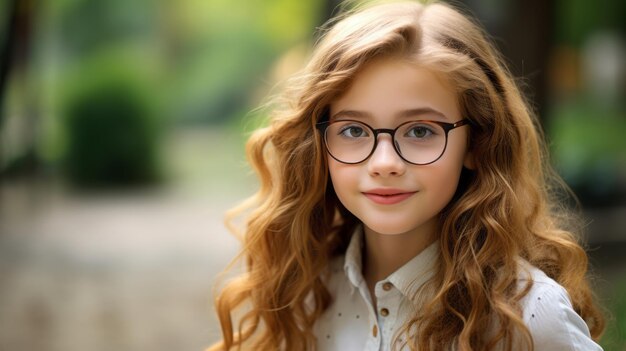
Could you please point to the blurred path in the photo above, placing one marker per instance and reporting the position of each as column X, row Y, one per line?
column 117, row 271
column 125, row 272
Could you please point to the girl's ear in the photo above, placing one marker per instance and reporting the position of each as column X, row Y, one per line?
column 469, row 162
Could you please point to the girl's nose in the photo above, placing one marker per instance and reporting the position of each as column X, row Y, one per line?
column 385, row 161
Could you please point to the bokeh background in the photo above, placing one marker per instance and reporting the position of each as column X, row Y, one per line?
column 122, row 126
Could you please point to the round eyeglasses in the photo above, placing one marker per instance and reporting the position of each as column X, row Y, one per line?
column 416, row 142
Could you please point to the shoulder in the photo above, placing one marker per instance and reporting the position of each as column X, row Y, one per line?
column 550, row 316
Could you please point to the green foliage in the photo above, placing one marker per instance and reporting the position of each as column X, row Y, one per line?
column 87, row 26
column 209, row 63
column 224, row 50
column 577, row 18
column 614, row 338
column 111, row 124
column 589, row 149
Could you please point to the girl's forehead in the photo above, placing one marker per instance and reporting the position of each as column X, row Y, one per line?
column 393, row 88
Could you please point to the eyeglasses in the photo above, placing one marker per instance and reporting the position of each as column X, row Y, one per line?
column 416, row 142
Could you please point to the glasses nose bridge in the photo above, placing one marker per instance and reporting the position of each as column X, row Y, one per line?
column 392, row 134
column 378, row 132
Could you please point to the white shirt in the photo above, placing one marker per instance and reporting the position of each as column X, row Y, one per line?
column 351, row 324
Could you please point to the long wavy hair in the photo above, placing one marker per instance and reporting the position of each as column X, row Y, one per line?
column 508, row 209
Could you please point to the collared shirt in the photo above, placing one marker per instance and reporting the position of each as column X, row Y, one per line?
column 352, row 324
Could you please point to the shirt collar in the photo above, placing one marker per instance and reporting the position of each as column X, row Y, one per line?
column 353, row 259
column 410, row 277
column 407, row 279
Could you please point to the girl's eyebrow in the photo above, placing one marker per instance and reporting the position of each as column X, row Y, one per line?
column 402, row 114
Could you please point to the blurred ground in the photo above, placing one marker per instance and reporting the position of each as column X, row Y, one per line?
column 121, row 271
column 134, row 270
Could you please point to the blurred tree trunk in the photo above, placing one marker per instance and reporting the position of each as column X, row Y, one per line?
column 15, row 56
column 527, row 39
column 6, row 53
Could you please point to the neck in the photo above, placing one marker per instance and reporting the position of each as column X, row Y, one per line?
column 386, row 253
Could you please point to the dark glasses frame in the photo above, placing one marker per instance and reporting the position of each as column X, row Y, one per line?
column 447, row 127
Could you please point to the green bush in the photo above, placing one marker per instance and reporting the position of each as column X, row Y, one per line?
column 111, row 126
column 614, row 338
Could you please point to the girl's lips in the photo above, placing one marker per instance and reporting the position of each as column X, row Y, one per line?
column 388, row 197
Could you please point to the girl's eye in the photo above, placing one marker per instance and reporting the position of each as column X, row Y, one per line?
column 420, row 132
column 354, row 132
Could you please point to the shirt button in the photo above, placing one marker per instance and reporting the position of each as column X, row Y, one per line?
column 384, row 312
column 387, row 286
column 375, row 331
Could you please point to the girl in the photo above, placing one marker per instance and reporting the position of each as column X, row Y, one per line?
column 406, row 203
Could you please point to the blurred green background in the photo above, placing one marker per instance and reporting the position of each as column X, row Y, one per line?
column 122, row 126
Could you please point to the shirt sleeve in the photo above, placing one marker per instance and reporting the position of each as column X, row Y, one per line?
column 552, row 321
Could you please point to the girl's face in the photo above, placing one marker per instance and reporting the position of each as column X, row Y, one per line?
column 389, row 195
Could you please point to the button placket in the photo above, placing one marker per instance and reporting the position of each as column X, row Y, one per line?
column 386, row 287
column 385, row 294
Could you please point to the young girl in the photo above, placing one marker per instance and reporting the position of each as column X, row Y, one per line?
column 406, row 203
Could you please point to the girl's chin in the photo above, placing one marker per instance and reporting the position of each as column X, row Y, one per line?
column 382, row 229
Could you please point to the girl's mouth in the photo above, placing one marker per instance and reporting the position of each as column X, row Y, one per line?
column 388, row 196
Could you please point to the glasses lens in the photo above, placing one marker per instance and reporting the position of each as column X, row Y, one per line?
column 349, row 141
column 420, row 142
